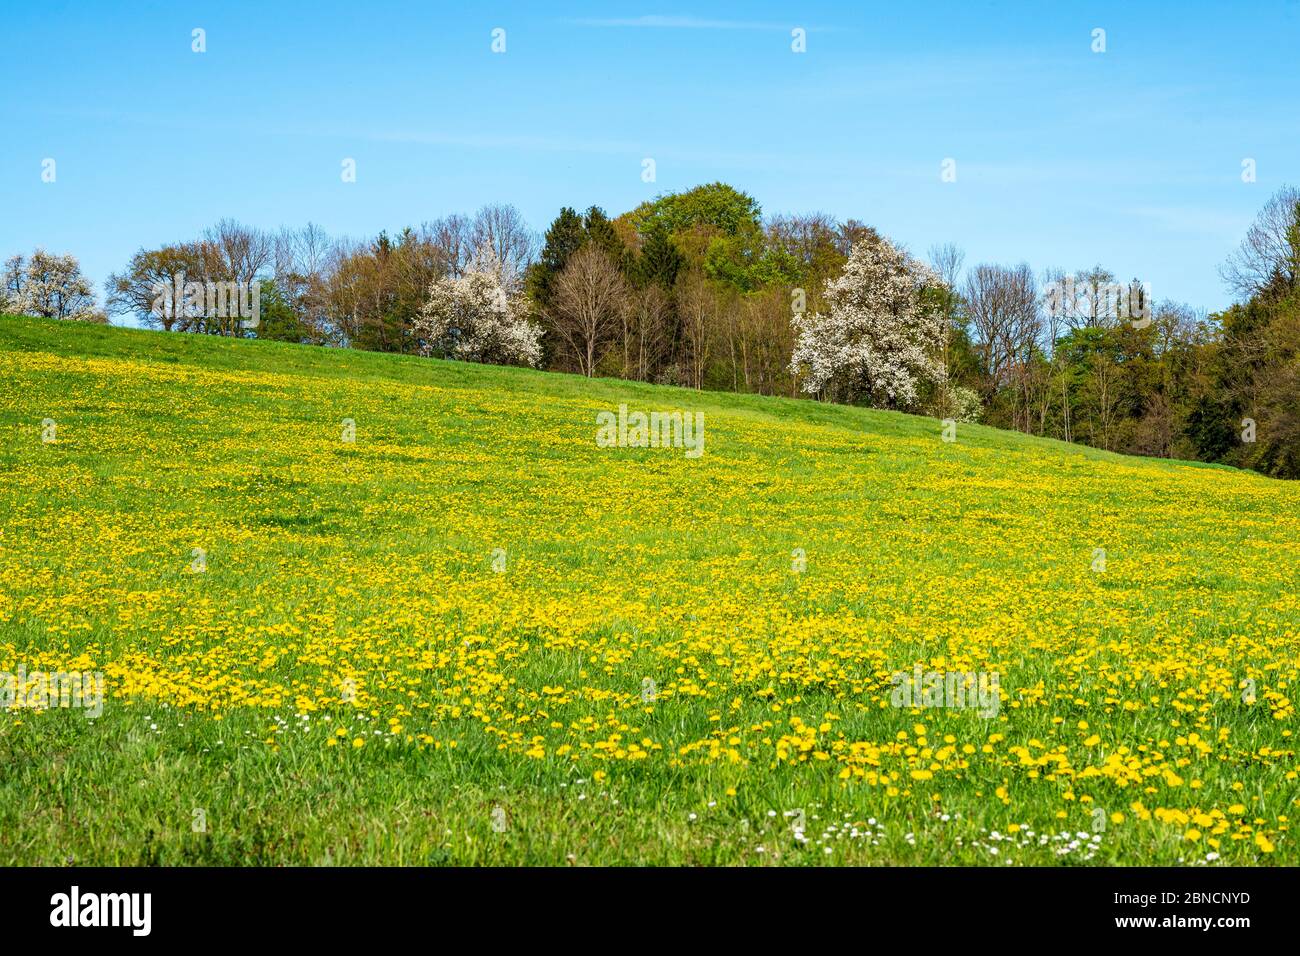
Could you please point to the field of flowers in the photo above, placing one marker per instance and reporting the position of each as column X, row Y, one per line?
column 354, row 608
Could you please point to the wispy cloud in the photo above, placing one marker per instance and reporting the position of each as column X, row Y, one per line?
column 693, row 153
column 523, row 142
column 679, row 23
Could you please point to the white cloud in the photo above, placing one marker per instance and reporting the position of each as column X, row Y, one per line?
column 680, row 23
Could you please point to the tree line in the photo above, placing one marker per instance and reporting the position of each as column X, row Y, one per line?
column 699, row 289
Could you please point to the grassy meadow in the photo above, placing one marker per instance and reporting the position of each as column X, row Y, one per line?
column 469, row 635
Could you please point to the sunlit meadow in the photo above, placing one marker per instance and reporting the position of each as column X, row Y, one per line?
column 460, row 631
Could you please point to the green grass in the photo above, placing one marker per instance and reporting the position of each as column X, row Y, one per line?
column 353, row 583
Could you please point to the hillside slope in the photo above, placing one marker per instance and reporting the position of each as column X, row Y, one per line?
column 472, row 634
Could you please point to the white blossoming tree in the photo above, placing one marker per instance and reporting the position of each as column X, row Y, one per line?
column 47, row 285
column 883, row 335
column 479, row 316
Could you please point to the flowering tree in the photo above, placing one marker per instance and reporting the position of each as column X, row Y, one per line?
column 883, row 334
column 479, row 316
column 49, row 286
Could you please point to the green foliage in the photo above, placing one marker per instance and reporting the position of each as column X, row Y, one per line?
column 716, row 206
column 278, row 320
column 564, row 237
column 659, row 261
column 599, row 230
column 1209, row 426
column 718, row 228
column 568, row 233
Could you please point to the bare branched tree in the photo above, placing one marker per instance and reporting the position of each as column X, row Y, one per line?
column 454, row 235
column 503, row 230
column 947, row 259
column 1271, row 249
column 646, row 331
column 240, row 253
column 697, row 308
column 587, row 306
column 145, row 287
column 1002, row 304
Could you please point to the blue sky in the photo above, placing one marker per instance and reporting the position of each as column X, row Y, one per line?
column 1066, row 158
